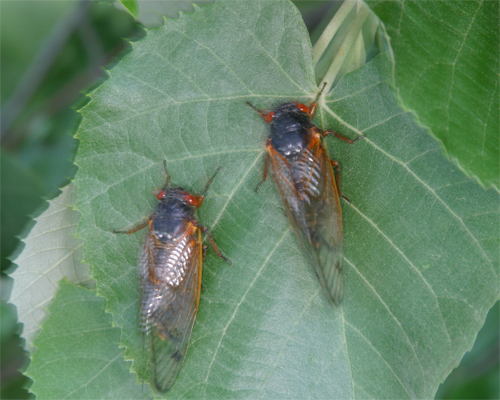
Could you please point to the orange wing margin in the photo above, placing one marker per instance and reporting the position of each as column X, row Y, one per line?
column 309, row 191
column 168, row 312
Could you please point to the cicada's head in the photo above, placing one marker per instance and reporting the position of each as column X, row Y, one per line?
column 290, row 129
column 176, row 207
column 176, row 199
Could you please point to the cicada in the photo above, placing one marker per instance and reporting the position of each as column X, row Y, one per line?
column 170, row 270
column 309, row 188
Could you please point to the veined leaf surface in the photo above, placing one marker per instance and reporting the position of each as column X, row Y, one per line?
column 448, row 71
column 421, row 240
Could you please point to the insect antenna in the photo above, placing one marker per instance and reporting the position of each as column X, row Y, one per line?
column 268, row 116
column 167, row 175
column 319, row 93
column 255, row 108
column 210, row 181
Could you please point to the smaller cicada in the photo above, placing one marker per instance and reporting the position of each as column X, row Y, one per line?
column 170, row 270
column 310, row 190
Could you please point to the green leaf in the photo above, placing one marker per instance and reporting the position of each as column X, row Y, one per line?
column 51, row 252
column 78, row 354
column 132, row 6
column 421, row 241
column 448, row 70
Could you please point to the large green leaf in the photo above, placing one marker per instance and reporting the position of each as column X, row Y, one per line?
column 78, row 355
column 448, row 70
column 421, row 241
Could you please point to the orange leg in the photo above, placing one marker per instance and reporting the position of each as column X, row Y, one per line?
column 312, row 110
column 151, row 268
column 264, row 175
column 212, row 242
column 339, row 136
column 336, row 167
column 137, row 228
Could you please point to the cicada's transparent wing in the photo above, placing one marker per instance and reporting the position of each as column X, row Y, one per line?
column 171, row 282
column 324, row 219
column 311, row 200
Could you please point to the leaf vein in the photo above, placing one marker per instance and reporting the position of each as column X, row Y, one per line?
column 182, row 73
column 278, row 65
column 381, row 357
column 391, row 314
column 419, row 273
column 454, row 64
column 220, row 60
column 344, row 322
column 96, row 375
column 288, row 338
column 239, row 304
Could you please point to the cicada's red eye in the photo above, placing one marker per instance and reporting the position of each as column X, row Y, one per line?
column 303, row 108
column 191, row 199
column 269, row 116
column 161, row 195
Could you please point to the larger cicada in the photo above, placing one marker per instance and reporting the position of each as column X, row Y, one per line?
column 309, row 188
column 170, row 270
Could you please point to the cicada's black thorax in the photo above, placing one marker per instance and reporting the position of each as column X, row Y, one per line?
column 290, row 130
column 171, row 214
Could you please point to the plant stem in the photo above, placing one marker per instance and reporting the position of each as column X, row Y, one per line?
column 339, row 59
column 332, row 28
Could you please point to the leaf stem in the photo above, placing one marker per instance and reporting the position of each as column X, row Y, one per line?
column 332, row 28
column 351, row 37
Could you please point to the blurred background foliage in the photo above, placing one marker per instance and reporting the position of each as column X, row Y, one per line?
column 52, row 52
